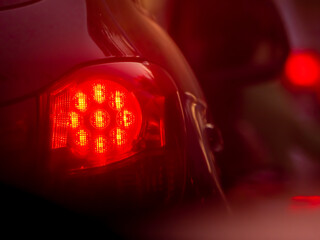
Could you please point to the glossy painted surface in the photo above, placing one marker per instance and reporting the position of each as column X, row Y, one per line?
column 39, row 48
column 154, row 44
column 38, row 45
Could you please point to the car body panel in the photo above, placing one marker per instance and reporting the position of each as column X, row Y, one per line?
column 34, row 40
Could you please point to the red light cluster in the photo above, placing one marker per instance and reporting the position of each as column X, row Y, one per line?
column 96, row 119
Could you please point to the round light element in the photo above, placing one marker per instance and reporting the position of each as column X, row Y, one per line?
column 99, row 92
column 101, row 144
column 125, row 118
column 100, row 119
column 117, row 100
column 118, row 137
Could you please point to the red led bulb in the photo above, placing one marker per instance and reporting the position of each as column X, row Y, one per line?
column 100, row 119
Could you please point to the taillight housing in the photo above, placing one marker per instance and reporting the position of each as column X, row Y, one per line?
column 106, row 113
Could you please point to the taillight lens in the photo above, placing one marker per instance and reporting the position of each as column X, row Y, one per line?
column 99, row 116
column 98, row 119
column 116, row 137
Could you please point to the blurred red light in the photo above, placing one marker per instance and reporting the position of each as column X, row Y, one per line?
column 305, row 202
column 303, row 69
column 74, row 120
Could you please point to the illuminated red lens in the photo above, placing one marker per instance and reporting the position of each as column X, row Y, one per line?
column 74, row 120
column 96, row 117
column 125, row 118
column 100, row 119
column 105, row 113
column 81, row 101
column 119, row 137
column 101, row 144
column 117, row 100
column 305, row 202
column 303, row 69
column 99, row 92
column 82, row 138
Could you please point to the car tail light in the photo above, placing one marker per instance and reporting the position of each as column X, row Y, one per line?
column 303, row 69
column 107, row 113
column 116, row 137
column 97, row 119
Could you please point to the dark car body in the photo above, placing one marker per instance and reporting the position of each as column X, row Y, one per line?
column 270, row 124
column 233, row 46
column 44, row 44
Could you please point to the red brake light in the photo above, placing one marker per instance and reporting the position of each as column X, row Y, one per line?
column 81, row 101
column 81, row 138
column 116, row 100
column 100, row 119
column 87, row 124
column 106, row 113
column 101, row 144
column 303, row 69
column 99, row 92
column 115, row 127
